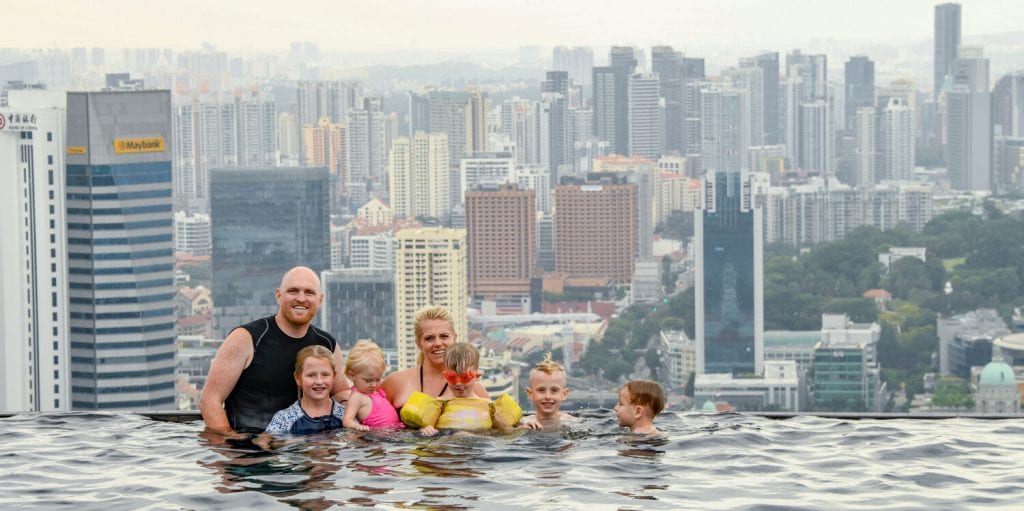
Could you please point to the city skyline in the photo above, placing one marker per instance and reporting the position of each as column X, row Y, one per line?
column 469, row 25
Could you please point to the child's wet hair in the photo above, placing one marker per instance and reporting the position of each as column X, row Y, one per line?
column 461, row 357
column 646, row 393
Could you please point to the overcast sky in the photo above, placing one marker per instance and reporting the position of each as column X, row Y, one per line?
column 368, row 25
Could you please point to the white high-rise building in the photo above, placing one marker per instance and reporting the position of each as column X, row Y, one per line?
column 521, row 122
column 969, row 123
column 192, row 233
column 646, row 120
column 485, row 169
column 723, row 139
column 751, row 80
column 418, row 175
column 897, row 140
column 367, row 153
column 817, row 137
column 34, row 352
column 538, row 179
column 376, row 251
column 867, row 151
column 430, row 269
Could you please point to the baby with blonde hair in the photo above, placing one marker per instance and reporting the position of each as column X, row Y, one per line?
column 368, row 405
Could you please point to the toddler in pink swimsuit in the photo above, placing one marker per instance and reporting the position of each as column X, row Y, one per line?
column 368, row 406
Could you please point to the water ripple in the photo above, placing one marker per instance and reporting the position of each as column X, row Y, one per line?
column 95, row 461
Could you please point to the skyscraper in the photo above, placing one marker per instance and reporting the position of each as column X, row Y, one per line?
column 623, row 62
column 359, row 303
column 969, row 123
column 120, row 250
column 816, row 137
column 769, row 64
column 897, row 137
column 730, row 275
column 604, row 105
column 266, row 220
column 430, row 269
column 860, row 87
column 645, row 116
column 596, row 227
column 866, row 134
column 366, row 154
column 418, row 176
column 723, row 139
column 947, row 43
column 667, row 64
column 33, row 262
column 501, row 241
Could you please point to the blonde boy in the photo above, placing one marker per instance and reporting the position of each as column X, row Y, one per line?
column 548, row 389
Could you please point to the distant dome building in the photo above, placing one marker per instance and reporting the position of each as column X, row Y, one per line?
column 709, row 407
column 997, row 389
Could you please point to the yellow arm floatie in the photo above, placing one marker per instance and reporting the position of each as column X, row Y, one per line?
column 421, row 410
column 505, row 412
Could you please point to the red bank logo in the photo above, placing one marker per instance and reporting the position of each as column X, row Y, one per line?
column 3, row 121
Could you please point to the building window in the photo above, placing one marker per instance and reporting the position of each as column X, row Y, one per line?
column 49, row 136
column 49, row 159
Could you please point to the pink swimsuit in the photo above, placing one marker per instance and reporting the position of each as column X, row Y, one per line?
column 382, row 414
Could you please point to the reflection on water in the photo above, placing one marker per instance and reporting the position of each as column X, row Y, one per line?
column 106, row 461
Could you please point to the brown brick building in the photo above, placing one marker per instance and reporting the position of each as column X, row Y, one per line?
column 596, row 228
column 501, row 242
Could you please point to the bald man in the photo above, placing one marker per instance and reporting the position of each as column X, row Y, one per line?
column 252, row 375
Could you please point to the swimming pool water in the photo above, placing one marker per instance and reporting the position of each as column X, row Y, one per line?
column 91, row 461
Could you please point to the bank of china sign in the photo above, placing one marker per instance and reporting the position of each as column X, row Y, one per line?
column 15, row 121
column 139, row 145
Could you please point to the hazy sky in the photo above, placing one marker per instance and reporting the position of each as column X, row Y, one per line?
column 369, row 25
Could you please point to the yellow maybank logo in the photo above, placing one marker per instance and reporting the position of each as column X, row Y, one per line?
column 139, row 145
column 76, row 150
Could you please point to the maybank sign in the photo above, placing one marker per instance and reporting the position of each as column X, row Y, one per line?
column 139, row 145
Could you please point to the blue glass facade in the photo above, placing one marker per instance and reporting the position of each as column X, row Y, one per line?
column 265, row 221
column 729, row 252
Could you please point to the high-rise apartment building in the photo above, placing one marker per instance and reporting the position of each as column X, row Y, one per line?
column 501, row 242
column 969, row 123
column 486, row 169
column 266, row 220
column 769, row 64
column 730, row 275
column 595, row 227
column 430, row 269
column 817, row 137
column 667, row 64
column 120, row 250
column 418, row 175
column 33, row 258
column 366, row 153
column 192, row 233
column 723, row 138
column 947, row 43
column 646, row 116
column 897, row 140
column 866, row 136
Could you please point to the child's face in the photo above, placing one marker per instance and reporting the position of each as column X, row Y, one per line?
column 547, row 391
column 462, row 383
column 316, row 379
column 366, row 379
column 626, row 411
